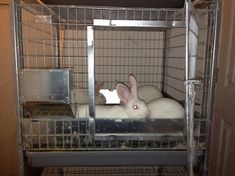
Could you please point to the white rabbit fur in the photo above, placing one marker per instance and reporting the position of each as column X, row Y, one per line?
column 131, row 106
column 166, row 108
column 80, row 96
column 149, row 93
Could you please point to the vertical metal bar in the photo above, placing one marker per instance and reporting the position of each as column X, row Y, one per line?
column 39, row 133
column 71, row 133
column 84, row 18
column 191, row 48
column 187, row 39
column 211, row 89
column 15, row 17
column 31, row 132
column 58, row 46
column 190, row 130
column 27, row 44
column 164, row 61
column 35, row 43
column 91, row 78
column 58, row 65
column 65, row 64
column 62, row 123
column 47, row 126
column 187, row 101
column 19, row 32
column 55, row 133
column 142, row 61
column 78, row 134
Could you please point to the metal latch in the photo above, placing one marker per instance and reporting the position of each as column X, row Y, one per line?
column 192, row 81
column 191, row 84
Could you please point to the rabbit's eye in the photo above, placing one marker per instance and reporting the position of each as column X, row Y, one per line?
column 135, row 107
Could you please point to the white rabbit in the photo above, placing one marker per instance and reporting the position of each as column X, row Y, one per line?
column 166, row 108
column 149, row 93
column 80, row 96
column 131, row 106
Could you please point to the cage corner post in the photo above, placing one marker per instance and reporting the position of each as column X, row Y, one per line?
column 16, row 32
column 190, row 80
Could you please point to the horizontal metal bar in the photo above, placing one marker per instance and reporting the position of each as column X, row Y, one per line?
column 108, row 158
column 175, row 136
column 138, row 23
column 79, row 7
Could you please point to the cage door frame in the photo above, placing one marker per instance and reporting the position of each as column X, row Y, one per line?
column 192, row 34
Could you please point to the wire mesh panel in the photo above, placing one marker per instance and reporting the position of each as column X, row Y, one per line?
column 204, row 64
column 43, row 27
column 175, row 68
column 43, row 134
column 39, row 40
column 117, row 54
column 74, row 55
column 116, row 171
column 120, row 53
column 73, row 134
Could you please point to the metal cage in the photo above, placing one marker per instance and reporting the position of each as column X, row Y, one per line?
column 60, row 48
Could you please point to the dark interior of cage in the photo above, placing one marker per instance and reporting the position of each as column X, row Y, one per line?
column 155, row 56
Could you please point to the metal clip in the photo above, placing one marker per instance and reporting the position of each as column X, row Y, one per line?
column 192, row 81
column 191, row 84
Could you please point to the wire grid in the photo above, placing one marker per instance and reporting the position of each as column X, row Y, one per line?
column 73, row 134
column 48, row 44
column 116, row 171
column 203, row 72
column 117, row 54
column 84, row 15
column 120, row 53
column 204, row 89
column 174, row 70
column 58, row 134
column 39, row 40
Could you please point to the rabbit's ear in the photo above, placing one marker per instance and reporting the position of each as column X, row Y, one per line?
column 123, row 93
column 133, row 86
column 98, row 86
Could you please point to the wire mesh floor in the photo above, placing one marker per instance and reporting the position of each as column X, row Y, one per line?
column 115, row 171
